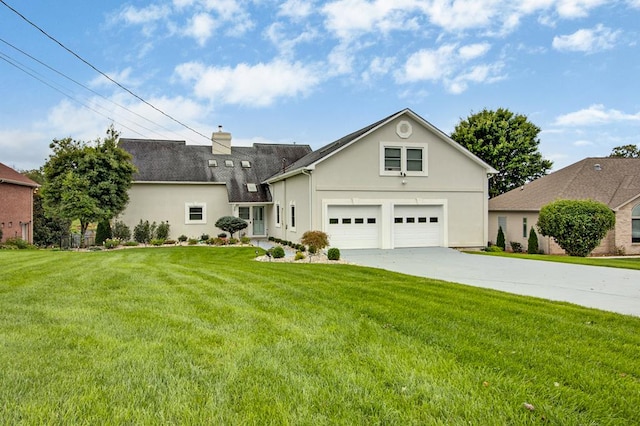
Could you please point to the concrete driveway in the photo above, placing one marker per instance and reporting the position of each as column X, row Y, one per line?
column 609, row 289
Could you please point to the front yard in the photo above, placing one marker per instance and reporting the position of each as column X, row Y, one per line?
column 610, row 262
column 202, row 335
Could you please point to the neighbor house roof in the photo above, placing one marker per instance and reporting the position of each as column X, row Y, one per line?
column 311, row 159
column 8, row 175
column 175, row 161
column 612, row 181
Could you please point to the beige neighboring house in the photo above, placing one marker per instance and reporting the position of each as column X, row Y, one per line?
column 612, row 181
column 399, row 182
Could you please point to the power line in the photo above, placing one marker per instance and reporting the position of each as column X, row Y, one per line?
column 100, row 72
column 84, row 87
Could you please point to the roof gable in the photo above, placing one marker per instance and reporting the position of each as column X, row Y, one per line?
column 315, row 157
column 612, row 181
column 8, row 175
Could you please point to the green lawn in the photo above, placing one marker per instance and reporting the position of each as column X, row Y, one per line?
column 618, row 262
column 200, row 335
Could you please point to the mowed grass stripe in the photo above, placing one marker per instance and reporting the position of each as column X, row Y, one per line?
column 206, row 335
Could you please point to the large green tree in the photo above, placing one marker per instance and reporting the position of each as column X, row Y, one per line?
column 87, row 181
column 508, row 142
column 625, row 151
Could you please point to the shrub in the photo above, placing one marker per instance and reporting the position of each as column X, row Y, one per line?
column 269, row 239
column 222, row 235
column 333, row 253
column 245, row 240
column 120, row 231
column 313, row 250
column 170, row 242
column 217, row 241
column 152, row 230
column 204, row 237
column 192, row 241
column 231, row 224
column 157, row 242
column 233, row 241
column 493, row 249
column 103, row 232
column 16, row 243
column 317, row 239
column 277, row 252
column 142, row 232
column 516, row 247
column 577, row 226
column 500, row 239
column 131, row 243
column 532, row 243
column 299, row 255
column 111, row 243
column 162, row 232
column 182, row 238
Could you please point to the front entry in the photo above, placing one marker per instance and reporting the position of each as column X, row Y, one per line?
column 258, row 220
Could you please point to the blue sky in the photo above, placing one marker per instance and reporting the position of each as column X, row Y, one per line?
column 311, row 72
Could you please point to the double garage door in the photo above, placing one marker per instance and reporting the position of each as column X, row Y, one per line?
column 362, row 226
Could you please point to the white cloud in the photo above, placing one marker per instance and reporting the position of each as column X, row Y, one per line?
column 201, row 27
column 295, row 9
column 285, row 42
column 152, row 13
column 595, row 115
column 577, row 8
column 583, row 143
column 251, row 85
column 587, row 40
column 429, row 64
column 473, row 51
column 378, row 67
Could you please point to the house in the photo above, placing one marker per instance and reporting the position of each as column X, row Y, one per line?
column 16, row 204
column 612, row 181
column 399, row 182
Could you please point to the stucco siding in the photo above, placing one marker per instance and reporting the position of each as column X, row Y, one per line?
column 514, row 231
column 294, row 191
column 166, row 202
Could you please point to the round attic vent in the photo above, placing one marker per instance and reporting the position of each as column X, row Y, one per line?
column 404, row 129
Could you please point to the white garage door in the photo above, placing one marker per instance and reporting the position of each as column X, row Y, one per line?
column 354, row 226
column 417, row 226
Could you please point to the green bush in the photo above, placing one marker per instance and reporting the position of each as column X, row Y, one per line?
column 16, row 243
column 170, row 242
column 111, row 243
column 182, row 238
column 142, row 232
column 277, row 252
column 204, row 237
column 217, row 241
column 120, row 231
column 103, row 232
column 157, row 242
column 245, row 240
column 500, row 239
column 193, row 241
column 516, row 247
column 493, row 249
column 300, row 255
column 333, row 253
column 532, row 243
column 162, row 231
column 233, row 241
column 222, row 235
column 313, row 250
column 131, row 243
column 577, row 226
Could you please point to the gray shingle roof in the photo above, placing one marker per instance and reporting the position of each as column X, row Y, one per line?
column 175, row 161
column 615, row 182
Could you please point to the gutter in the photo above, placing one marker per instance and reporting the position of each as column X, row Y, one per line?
column 16, row 182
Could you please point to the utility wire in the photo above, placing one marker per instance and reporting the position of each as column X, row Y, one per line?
column 34, row 75
column 100, row 72
column 83, row 86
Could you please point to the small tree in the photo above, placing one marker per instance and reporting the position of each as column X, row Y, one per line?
column 142, row 232
column 121, row 231
column 103, row 232
column 577, row 226
column 316, row 239
column 500, row 239
column 532, row 246
column 231, row 224
column 162, row 231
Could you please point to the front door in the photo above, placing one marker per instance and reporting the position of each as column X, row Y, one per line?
column 258, row 220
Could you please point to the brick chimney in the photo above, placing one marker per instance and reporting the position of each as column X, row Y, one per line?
column 221, row 142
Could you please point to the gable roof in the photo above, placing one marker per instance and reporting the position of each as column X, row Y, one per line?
column 310, row 160
column 175, row 161
column 8, row 175
column 612, row 181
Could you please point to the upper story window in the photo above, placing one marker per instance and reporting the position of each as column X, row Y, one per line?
column 635, row 224
column 403, row 159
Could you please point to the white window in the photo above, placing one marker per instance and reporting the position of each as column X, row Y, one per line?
column 195, row 213
column 252, row 187
column 228, row 163
column 278, row 215
column 292, row 216
column 403, row 159
column 245, row 164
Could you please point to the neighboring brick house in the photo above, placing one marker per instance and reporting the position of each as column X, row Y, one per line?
column 16, row 204
column 612, row 181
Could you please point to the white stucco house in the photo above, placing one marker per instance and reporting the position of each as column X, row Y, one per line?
column 399, row 182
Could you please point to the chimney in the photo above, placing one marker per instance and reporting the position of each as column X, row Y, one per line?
column 221, row 142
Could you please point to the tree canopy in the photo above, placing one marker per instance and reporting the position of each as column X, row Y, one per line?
column 87, row 181
column 506, row 141
column 231, row 224
column 577, row 226
column 625, row 151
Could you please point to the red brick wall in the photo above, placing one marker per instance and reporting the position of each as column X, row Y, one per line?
column 16, row 206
